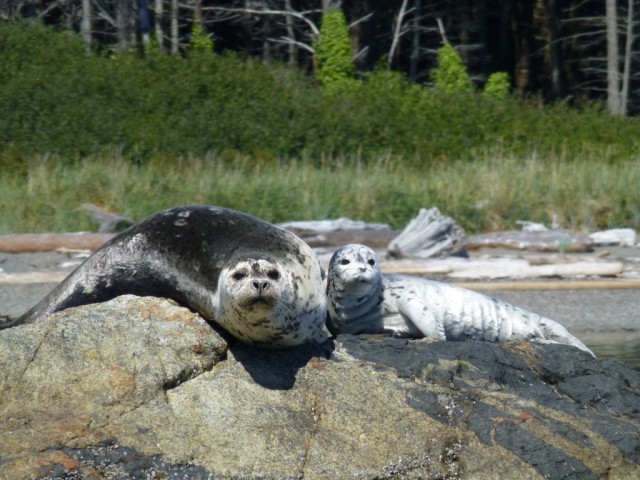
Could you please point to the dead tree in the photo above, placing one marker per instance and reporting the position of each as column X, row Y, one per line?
column 613, row 72
column 85, row 26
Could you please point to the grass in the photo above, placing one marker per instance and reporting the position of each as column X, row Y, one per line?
column 490, row 192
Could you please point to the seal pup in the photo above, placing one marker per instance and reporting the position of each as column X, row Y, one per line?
column 363, row 300
column 260, row 283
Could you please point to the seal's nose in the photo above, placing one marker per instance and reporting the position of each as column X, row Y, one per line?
column 261, row 286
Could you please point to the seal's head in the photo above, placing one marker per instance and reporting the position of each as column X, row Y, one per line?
column 353, row 270
column 255, row 301
column 253, row 284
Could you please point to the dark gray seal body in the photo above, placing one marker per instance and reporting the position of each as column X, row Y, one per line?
column 259, row 282
column 363, row 300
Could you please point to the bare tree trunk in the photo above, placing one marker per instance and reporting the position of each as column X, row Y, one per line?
column 613, row 73
column 159, row 4
column 174, row 27
column 483, row 34
column 292, row 48
column 85, row 24
column 397, row 32
column 266, row 45
column 626, row 75
column 506, row 37
column 197, row 11
column 557, row 88
column 415, row 40
column 523, row 20
column 121, row 25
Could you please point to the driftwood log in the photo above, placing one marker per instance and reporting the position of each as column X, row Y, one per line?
column 615, row 236
column 430, row 234
column 502, row 268
column 538, row 241
column 107, row 222
column 48, row 242
column 335, row 233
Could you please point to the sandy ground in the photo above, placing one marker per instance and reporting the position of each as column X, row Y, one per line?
column 607, row 320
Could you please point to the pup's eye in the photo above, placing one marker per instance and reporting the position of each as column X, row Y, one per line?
column 273, row 275
column 238, row 276
column 371, row 261
column 344, row 261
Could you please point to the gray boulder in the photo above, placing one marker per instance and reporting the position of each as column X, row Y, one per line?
column 143, row 388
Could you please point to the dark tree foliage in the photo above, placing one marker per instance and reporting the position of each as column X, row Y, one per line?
column 554, row 48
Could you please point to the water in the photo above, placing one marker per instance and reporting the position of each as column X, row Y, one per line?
column 607, row 321
column 622, row 346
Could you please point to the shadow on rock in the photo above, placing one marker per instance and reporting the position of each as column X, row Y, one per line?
column 277, row 369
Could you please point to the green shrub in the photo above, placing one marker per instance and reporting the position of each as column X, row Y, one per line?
column 498, row 85
column 333, row 50
column 451, row 75
column 54, row 99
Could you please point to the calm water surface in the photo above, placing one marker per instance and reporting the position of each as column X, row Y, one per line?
column 623, row 349
column 607, row 321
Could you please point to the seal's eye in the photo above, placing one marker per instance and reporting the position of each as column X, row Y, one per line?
column 238, row 276
column 371, row 262
column 273, row 274
column 344, row 261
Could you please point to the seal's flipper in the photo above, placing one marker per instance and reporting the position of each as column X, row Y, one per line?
column 414, row 310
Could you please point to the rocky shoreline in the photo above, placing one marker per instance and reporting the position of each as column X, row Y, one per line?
column 143, row 388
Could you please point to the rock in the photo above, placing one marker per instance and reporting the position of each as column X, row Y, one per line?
column 143, row 388
column 430, row 234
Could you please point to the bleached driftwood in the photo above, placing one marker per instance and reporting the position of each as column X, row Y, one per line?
column 539, row 241
column 528, row 226
column 48, row 242
column 430, row 234
column 333, row 233
column 373, row 238
column 616, row 236
column 27, row 278
column 578, row 269
column 339, row 224
column 502, row 268
column 107, row 222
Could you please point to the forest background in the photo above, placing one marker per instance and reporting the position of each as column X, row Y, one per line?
column 136, row 106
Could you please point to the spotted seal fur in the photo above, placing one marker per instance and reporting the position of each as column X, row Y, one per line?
column 363, row 300
column 261, row 283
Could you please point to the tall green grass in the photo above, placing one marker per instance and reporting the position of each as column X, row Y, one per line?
column 137, row 134
column 488, row 193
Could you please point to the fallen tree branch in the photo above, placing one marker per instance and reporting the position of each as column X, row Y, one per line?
column 48, row 242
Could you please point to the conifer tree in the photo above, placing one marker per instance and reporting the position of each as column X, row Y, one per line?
column 451, row 74
column 497, row 85
column 334, row 63
column 200, row 40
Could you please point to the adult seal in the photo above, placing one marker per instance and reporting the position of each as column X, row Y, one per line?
column 363, row 300
column 261, row 283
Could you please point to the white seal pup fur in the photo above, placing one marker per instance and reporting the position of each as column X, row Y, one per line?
column 261, row 283
column 363, row 300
